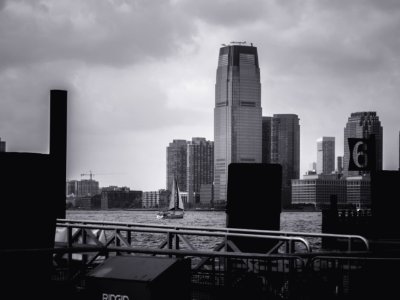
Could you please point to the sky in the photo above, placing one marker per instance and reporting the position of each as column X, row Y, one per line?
column 141, row 73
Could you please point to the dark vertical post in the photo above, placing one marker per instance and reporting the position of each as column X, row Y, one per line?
column 330, row 222
column 58, row 147
column 254, row 201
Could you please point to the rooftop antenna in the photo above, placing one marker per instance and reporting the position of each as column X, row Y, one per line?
column 238, row 43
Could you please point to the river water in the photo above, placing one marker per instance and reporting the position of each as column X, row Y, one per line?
column 290, row 221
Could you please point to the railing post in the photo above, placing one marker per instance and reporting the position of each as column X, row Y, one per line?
column 129, row 237
column 69, row 243
column 84, row 241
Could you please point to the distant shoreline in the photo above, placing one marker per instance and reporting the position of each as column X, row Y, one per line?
column 199, row 210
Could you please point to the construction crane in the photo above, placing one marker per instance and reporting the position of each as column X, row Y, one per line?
column 90, row 174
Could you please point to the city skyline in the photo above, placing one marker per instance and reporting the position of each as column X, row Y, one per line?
column 138, row 78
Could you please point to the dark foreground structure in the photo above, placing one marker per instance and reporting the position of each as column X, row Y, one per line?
column 29, row 223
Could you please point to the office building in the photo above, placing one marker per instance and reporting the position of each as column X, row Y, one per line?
column 339, row 168
column 206, row 195
column 200, row 167
column 359, row 191
column 285, row 150
column 318, row 189
column 325, row 155
column 2, row 146
column 177, row 164
column 363, row 125
column 120, row 198
column 266, row 139
column 72, row 188
column 87, row 187
column 237, row 113
column 155, row 199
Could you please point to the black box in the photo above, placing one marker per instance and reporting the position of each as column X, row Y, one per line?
column 139, row 278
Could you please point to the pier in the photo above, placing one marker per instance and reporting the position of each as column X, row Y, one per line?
column 292, row 269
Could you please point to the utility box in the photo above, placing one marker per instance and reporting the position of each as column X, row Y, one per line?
column 140, row 278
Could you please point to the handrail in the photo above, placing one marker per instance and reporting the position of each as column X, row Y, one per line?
column 180, row 253
column 230, row 230
column 191, row 232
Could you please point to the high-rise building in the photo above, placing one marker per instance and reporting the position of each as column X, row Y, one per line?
column 237, row 113
column 200, row 167
column 2, row 146
column 285, row 150
column 339, row 164
column 87, row 187
column 363, row 125
column 325, row 155
column 72, row 187
column 177, row 164
column 266, row 139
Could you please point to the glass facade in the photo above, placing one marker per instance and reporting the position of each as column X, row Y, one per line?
column 362, row 125
column 325, row 155
column 176, row 164
column 285, row 150
column 237, row 113
column 200, row 167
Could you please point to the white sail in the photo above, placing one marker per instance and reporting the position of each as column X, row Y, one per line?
column 172, row 197
column 175, row 202
column 179, row 202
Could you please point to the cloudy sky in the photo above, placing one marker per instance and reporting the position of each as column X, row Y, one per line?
column 141, row 73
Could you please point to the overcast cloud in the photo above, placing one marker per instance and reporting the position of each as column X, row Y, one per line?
column 141, row 73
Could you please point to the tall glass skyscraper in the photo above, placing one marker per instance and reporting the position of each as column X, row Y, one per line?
column 285, row 150
column 176, row 164
column 363, row 125
column 325, row 155
column 266, row 139
column 237, row 113
column 200, row 167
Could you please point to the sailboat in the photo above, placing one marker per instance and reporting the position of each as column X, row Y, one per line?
column 175, row 208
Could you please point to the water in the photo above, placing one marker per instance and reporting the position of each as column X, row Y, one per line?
column 290, row 221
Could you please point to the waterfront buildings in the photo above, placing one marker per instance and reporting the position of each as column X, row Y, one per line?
column 285, row 150
column 339, row 163
column 155, row 199
column 2, row 146
column 72, row 188
column 359, row 191
column 237, row 113
column 120, row 197
column 87, row 187
column 177, row 164
column 206, row 196
column 266, row 139
column 82, row 188
column 318, row 189
column 363, row 125
column 200, row 167
column 325, row 155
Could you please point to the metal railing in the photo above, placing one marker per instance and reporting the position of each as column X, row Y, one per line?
column 298, row 236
